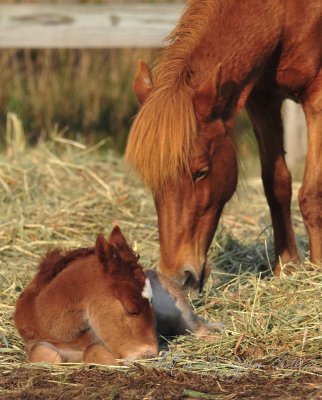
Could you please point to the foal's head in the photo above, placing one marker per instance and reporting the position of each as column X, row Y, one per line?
column 131, row 322
column 190, row 197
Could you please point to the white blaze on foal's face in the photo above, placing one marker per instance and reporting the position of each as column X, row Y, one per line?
column 147, row 290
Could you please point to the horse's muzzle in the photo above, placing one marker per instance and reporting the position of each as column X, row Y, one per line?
column 191, row 279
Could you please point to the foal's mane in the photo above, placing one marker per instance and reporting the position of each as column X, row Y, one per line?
column 165, row 128
column 56, row 260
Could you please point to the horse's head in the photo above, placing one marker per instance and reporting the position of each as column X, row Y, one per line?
column 189, row 205
column 132, row 326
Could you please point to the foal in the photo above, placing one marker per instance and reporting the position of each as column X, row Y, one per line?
column 90, row 304
column 94, row 305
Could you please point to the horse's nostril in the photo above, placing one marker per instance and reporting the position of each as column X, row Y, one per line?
column 189, row 280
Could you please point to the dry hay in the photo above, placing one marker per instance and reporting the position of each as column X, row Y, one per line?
column 63, row 194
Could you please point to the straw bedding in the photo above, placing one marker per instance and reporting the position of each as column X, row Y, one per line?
column 62, row 194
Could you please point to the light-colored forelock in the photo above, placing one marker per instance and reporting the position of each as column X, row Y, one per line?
column 164, row 130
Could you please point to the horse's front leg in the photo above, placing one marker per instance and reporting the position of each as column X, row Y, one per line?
column 311, row 192
column 264, row 108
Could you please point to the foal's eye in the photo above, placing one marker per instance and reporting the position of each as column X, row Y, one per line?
column 200, row 174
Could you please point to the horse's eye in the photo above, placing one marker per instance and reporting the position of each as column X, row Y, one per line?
column 200, row 174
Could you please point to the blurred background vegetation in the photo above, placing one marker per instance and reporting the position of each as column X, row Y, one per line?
column 81, row 94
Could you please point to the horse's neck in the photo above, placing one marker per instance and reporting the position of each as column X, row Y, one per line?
column 243, row 51
column 241, row 39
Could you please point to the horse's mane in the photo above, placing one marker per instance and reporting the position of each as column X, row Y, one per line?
column 56, row 260
column 165, row 128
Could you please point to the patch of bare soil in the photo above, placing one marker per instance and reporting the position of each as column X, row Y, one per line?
column 146, row 383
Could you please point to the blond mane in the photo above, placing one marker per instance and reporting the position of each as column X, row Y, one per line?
column 163, row 131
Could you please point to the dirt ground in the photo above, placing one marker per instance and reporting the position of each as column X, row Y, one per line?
column 147, row 383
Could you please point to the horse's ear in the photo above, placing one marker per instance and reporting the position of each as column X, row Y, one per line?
column 207, row 93
column 104, row 250
column 142, row 84
column 117, row 238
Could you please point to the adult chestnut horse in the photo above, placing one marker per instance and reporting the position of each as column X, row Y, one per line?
column 224, row 55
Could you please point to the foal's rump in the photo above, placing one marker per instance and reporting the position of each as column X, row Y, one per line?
column 53, row 330
column 54, row 312
column 57, row 332
column 25, row 314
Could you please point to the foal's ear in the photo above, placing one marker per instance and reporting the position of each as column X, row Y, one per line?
column 142, row 84
column 129, row 299
column 104, row 250
column 207, row 93
column 121, row 247
column 117, row 238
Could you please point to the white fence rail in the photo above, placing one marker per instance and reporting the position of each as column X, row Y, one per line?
column 86, row 26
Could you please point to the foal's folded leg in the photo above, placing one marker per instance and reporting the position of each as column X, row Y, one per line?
column 98, row 354
column 44, row 352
